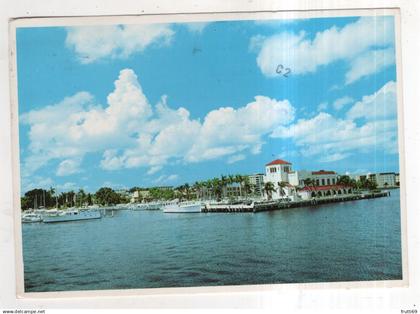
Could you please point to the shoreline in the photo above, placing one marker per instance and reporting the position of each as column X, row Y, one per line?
column 278, row 205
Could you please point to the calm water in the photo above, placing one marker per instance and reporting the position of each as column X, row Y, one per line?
column 141, row 249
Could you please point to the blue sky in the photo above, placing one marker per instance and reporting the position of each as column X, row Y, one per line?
column 165, row 104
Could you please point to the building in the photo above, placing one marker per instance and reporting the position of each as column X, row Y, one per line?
column 233, row 190
column 310, row 192
column 277, row 172
column 386, row 179
column 297, row 178
column 257, row 184
column 323, row 177
column 382, row 180
column 139, row 195
column 319, row 178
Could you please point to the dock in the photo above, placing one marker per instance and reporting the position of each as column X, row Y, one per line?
column 278, row 205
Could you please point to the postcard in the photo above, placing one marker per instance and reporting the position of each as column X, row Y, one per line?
column 223, row 150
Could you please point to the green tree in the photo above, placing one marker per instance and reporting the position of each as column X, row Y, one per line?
column 346, row 180
column 247, row 186
column 269, row 189
column 107, row 196
column 217, row 188
column 281, row 185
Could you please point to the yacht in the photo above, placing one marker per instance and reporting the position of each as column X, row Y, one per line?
column 183, row 207
column 72, row 215
column 31, row 217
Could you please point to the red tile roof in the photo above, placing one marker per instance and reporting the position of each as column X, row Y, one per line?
column 278, row 162
column 324, row 187
column 322, row 172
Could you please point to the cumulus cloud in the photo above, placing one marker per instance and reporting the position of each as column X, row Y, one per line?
column 92, row 43
column 128, row 132
column 330, row 138
column 369, row 63
column 380, row 105
column 341, row 102
column 36, row 182
column 76, row 125
column 226, row 131
column 352, row 42
column 68, row 166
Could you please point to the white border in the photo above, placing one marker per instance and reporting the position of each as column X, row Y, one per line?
column 291, row 287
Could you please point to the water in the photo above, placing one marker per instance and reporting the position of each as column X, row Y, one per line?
column 352, row 241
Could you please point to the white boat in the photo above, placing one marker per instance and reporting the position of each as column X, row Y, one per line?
column 183, row 207
column 157, row 205
column 31, row 217
column 72, row 215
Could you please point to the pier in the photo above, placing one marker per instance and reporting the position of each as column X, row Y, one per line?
column 278, row 205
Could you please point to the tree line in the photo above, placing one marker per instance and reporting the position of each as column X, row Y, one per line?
column 41, row 198
column 216, row 188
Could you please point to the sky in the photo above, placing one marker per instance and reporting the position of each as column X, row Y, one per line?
column 168, row 104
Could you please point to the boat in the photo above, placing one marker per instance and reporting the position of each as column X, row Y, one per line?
column 157, row 205
column 71, row 215
column 31, row 217
column 183, row 207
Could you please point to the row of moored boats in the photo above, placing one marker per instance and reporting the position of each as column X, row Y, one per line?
column 54, row 215
column 73, row 214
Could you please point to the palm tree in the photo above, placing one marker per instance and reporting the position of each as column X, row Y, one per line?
column 269, row 189
column 217, row 188
column 247, row 186
column 53, row 195
column 209, row 186
column 197, row 189
column 239, row 179
column 224, row 182
column 81, row 195
column 281, row 185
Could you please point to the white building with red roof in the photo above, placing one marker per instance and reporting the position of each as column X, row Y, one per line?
column 276, row 172
column 324, row 177
column 310, row 192
column 287, row 182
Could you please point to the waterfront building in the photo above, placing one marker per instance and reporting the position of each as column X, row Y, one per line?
column 257, row 183
column 386, row 179
column 139, row 195
column 382, row 179
column 320, row 177
column 324, row 178
column 397, row 179
column 310, row 192
column 233, row 190
column 277, row 172
column 297, row 178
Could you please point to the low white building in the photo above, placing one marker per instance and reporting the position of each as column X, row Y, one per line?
column 386, row 179
column 297, row 178
column 323, row 177
column 320, row 178
column 383, row 179
column 312, row 192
